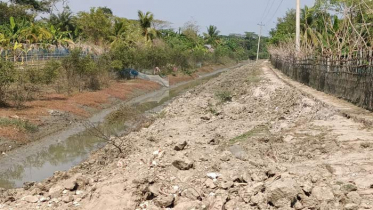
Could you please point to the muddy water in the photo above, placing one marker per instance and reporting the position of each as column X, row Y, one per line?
column 39, row 160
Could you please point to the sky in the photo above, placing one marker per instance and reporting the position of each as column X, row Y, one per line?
column 230, row 16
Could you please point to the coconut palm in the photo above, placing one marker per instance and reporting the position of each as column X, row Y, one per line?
column 146, row 20
column 212, row 34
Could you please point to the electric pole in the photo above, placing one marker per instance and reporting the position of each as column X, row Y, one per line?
column 260, row 34
column 297, row 39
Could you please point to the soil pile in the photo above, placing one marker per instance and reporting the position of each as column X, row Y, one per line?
column 244, row 140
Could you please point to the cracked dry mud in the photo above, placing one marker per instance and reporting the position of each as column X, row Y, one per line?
column 244, row 140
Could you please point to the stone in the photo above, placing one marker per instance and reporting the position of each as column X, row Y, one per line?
column 307, row 187
column 188, row 205
column 28, row 185
column 348, row 187
column 210, row 184
column 238, row 152
column 191, row 194
column 225, row 156
column 67, row 199
column 43, row 199
column 154, row 189
column 164, row 201
column 322, row 193
column 180, row 145
column 298, row 205
column 351, row 206
column 218, row 203
column 226, row 184
column 257, row 199
column 257, row 187
column 283, row 191
column 70, row 184
column 56, row 191
column 354, row 197
column 231, row 205
column 30, row 199
column 183, row 164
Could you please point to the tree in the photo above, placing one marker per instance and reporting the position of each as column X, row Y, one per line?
column 64, row 22
column 95, row 26
column 12, row 10
column 146, row 20
column 39, row 6
column 212, row 34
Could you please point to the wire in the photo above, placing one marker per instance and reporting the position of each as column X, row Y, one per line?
column 269, row 9
column 275, row 12
column 265, row 10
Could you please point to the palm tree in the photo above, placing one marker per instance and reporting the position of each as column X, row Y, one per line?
column 212, row 34
column 63, row 21
column 146, row 20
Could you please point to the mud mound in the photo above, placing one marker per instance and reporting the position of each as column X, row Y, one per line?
column 244, row 140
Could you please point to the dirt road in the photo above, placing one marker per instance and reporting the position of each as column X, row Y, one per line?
column 244, row 140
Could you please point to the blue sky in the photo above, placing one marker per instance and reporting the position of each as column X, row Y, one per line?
column 230, row 16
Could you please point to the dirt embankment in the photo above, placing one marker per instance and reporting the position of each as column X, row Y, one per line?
column 53, row 112
column 244, row 140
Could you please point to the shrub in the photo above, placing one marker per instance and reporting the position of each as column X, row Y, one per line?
column 7, row 76
column 224, row 96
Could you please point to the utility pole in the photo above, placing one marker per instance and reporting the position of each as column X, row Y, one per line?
column 297, row 39
column 260, row 34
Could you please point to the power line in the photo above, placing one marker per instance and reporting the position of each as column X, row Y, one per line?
column 275, row 12
column 265, row 10
column 269, row 9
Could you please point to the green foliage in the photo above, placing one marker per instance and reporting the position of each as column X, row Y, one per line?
column 7, row 73
column 51, row 72
column 224, row 96
column 23, row 125
column 95, row 26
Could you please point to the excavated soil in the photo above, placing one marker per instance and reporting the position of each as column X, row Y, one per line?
column 244, row 140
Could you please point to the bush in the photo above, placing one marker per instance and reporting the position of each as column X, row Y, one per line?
column 224, row 96
column 7, row 76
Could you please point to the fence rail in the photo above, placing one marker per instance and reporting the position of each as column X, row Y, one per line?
column 350, row 79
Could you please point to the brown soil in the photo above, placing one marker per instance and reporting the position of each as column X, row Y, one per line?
column 270, row 146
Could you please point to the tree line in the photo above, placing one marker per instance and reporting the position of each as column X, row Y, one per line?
column 115, row 43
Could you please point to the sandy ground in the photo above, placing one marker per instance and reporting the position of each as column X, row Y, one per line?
column 244, row 140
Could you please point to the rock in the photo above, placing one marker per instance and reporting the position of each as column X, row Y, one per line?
column 218, row 203
column 180, row 145
column 231, row 205
column 28, row 185
column 322, row 193
column 191, row 194
column 351, row 206
column 188, row 205
column 257, row 199
column 226, row 185
column 154, row 189
column 354, row 197
column 164, row 201
column 30, row 199
column 43, row 199
column 183, row 164
column 225, row 156
column 210, row 184
column 307, row 187
column 67, row 199
column 282, row 191
column 56, row 191
column 257, row 187
column 298, row 205
column 214, row 141
column 239, row 152
column 308, row 202
column 205, row 118
column 41, row 186
column 349, row 187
